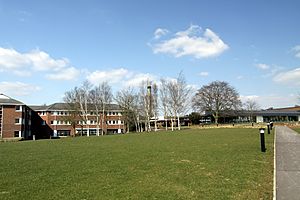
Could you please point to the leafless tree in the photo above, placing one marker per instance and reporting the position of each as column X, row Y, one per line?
column 126, row 98
column 83, row 99
column 179, row 97
column 216, row 98
column 155, row 106
column 137, row 113
column 251, row 106
column 101, row 96
column 164, row 100
column 145, row 96
column 73, row 108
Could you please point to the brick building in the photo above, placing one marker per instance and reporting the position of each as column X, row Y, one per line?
column 18, row 120
column 58, row 117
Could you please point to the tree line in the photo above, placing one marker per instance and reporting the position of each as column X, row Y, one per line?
column 170, row 98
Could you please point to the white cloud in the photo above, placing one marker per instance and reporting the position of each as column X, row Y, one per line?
column 191, row 42
column 17, row 88
column 296, row 50
column 111, row 76
column 160, row 32
column 262, row 66
column 291, row 77
column 272, row 100
column 203, row 73
column 248, row 97
column 120, row 77
column 239, row 77
column 10, row 59
column 137, row 79
column 41, row 61
column 24, row 64
column 66, row 74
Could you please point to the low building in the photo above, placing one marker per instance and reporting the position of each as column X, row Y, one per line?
column 288, row 114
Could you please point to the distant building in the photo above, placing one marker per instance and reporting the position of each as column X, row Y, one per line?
column 18, row 120
column 278, row 115
column 288, row 114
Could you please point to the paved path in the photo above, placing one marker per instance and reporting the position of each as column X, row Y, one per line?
column 287, row 163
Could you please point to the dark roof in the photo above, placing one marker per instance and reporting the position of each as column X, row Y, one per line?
column 6, row 100
column 278, row 113
column 294, row 108
column 39, row 108
column 64, row 106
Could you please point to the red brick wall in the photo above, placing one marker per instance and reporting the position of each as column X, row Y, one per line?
column 9, row 127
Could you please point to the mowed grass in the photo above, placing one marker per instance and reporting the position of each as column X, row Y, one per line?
column 190, row 164
column 297, row 129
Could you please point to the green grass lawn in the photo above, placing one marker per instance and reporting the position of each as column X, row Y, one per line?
column 190, row 164
column 297, row 129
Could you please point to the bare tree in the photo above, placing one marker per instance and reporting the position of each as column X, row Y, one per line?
column 137, row 113
column 101, row 96
column 179, row 96
column 96, row 103
column 73, row 109
column 164, row 100
column 251, row 106
column 83, row 99
column 106, row 97
column 145, row 94
column 126, row 98
column 155, row 105
column 216, row 98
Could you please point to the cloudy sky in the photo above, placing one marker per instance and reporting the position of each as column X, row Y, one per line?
column 49, row 47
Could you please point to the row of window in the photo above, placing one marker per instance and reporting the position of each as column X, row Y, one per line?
column 89, row 122
column 57, row 122
column 64, row 113
column 21, row 121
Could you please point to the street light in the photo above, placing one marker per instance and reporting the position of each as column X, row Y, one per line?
column 262, row 139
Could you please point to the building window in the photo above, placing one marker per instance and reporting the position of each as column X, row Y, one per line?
column 18, row 108
column 17, row 121
column 43, row 122
column 16, row 134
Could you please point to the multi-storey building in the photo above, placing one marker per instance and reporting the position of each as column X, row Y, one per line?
column 15, row 118
column 62, row 122
column 21, row 121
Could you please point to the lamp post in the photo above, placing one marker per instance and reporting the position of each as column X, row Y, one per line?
column 262, row 139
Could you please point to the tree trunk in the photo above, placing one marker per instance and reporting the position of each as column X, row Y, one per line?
column 97, row 121
column 216, row 116
column 178, row 121
column 102, row 121
column 166, row 124
column 88, row 131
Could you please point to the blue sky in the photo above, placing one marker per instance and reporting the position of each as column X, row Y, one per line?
column 48, row 47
